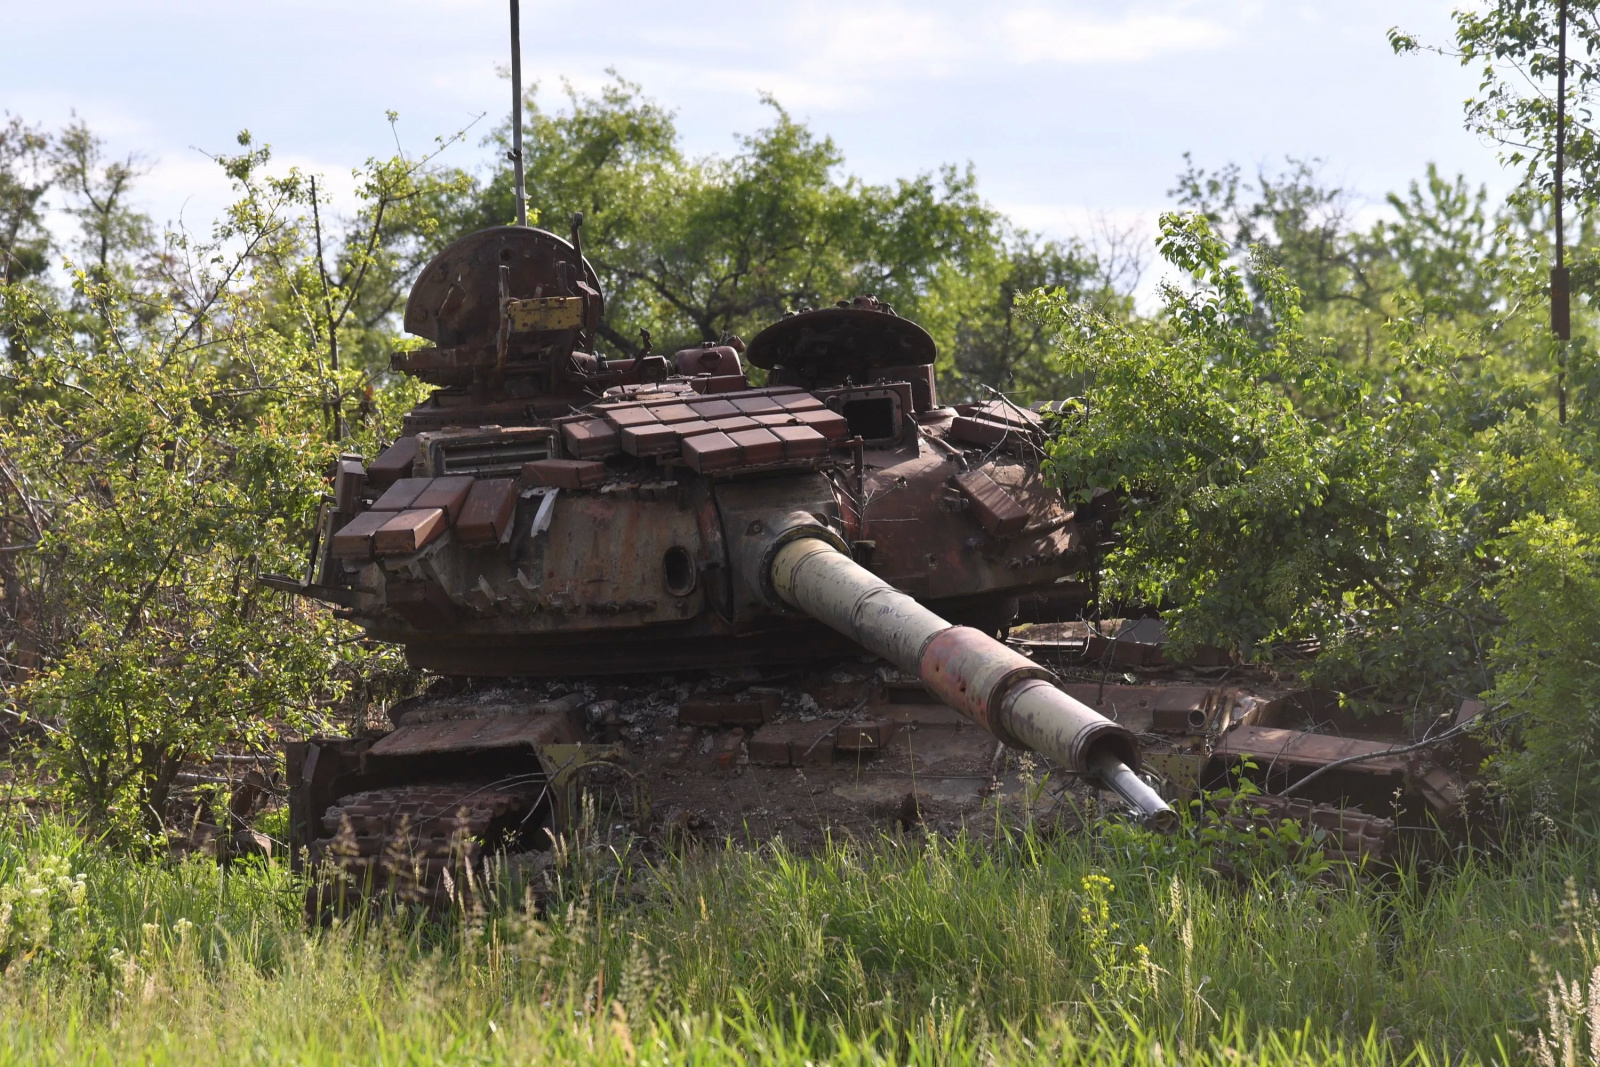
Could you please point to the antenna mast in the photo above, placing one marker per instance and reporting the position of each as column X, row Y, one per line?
column 516, row 112
column 1560, row 278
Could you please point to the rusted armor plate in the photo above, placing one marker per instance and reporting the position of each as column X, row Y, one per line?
column 1266, row 744
column 466, row 735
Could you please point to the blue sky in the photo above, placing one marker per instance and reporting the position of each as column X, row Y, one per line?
column 1068, row 110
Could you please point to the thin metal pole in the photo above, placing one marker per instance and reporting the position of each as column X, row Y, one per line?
column 1560, row 281
column 516, row 111
column 1561, row 124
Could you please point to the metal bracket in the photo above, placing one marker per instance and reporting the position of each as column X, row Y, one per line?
column 545, row 313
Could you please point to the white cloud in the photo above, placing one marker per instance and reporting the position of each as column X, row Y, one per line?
column 841, row 54
column 186, row 187
column 1037, row 35
column 823, row 54
column 861, row 42
column 1037, row 93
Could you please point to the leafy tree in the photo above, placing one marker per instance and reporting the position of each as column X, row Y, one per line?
column 24, row 178
column 1254, row 519
column 693, row 250
column 159, row 450
column 97, row 194
column 160, row 492
column 1548, row 593
column 986, row 342
column 1513, row 46
column 1302, row 226
column 1438, row 254
column 365, row 265
column 1424, row 518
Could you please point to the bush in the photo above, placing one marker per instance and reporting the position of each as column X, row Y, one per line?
column 1435, row 548
column 164, row 434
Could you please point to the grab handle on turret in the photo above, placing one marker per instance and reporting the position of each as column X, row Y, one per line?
column 997, row 687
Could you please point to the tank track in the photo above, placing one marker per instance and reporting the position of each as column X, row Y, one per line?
column 1341, row 834
column 415, row 844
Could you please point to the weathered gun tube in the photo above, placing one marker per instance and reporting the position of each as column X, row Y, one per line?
column 997, row 687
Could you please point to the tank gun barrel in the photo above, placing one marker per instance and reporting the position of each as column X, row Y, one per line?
column 997, row 687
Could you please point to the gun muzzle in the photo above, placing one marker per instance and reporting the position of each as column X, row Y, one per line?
column 997, row 687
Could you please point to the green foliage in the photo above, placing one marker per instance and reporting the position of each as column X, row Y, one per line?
column 164, row 434
column 1443, row 262
column 1247, row 848
column 1368, row 440
column 1513, row 46
column 1246, row 515
column 1544, row 654
column 24, row 241
column 693, row 250
column 98, row 193
column 344, row 282
column 1326, row 434
column 1420, row 517
column 162, row 484
column 1026, row 947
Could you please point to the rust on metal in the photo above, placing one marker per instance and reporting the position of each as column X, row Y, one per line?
column 401, row 494
column 487, row 512
column 997, row 512
column 408, row 531
column 1276, row 748
column 467, row 735
column 393, row 463
column 415, row 843
column 963, row 668
column 353, row 540
column 448, row 494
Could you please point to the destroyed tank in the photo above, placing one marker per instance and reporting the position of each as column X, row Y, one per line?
column 738, row 607
column 549, row 513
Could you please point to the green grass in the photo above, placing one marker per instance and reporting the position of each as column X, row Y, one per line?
column 1094, row 949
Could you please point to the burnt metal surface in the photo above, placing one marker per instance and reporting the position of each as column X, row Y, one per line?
column 826, row 346
column 564, row 512
column 456, row 298
column 851, row 747
column 1282, row 752
column 467, row 735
